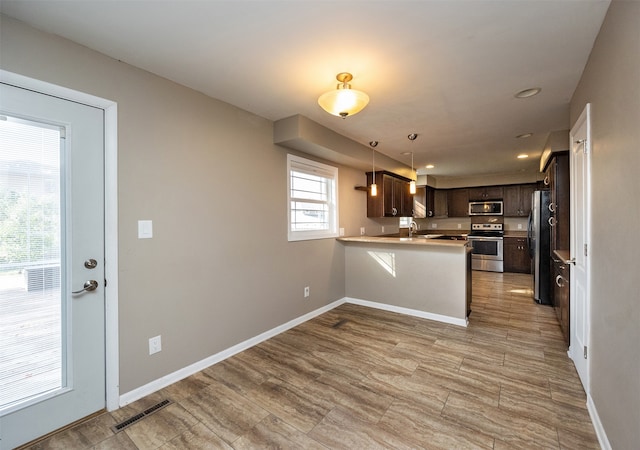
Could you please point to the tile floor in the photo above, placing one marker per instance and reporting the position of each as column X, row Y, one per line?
column 359, row 378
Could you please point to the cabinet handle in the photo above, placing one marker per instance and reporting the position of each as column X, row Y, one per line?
column 395, row 211
column 552, row 221
column 560, row 281
column 546, row 180
column 552, row 207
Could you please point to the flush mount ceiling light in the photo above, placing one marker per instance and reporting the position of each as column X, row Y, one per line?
column 412, row 185
column 374, row 186
column 526, row 93
column 523, row 156
column 343, row 101
column 429, row 166
column 524, row 135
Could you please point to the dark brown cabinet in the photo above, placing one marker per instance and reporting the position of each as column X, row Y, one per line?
column 561, row 281
column 517, row 199
column 458, row 202
column 516, row 255
column 440, row 203
column 558, row 180
column 559, row 185
column 482, row 193
column 424, row 202
column 393, row 199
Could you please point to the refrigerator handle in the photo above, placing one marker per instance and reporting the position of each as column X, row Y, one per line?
column 529, row 233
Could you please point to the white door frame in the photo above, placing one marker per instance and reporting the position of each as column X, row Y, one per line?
column 112, row 375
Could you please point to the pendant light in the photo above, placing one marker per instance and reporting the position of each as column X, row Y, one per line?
column 374, row 186
column 343, row 101
column 412, row 185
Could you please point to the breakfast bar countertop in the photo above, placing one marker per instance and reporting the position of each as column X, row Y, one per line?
column 419, row 240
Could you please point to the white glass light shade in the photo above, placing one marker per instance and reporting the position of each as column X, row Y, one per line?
column 343, row 102
column 374, row 190
column 412, row 187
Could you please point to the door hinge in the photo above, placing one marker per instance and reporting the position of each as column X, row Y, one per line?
column 585, row 352
column 585, row 250
column 105, row 282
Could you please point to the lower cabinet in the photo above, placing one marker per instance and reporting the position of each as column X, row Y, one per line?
column 562, row 278
column 516, row 255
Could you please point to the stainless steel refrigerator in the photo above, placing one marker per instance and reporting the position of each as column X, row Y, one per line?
column 539, row 237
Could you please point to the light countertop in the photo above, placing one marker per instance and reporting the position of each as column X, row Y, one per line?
column 416, row 240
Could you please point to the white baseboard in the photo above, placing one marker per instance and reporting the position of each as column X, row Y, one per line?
column 597, row 425
column 189, row 370
column 409, row 312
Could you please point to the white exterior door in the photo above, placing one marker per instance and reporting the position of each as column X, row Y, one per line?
column 52, row 294
column 580, row 220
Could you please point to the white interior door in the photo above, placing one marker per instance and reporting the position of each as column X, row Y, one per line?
column 52, row 296
column 580, row 218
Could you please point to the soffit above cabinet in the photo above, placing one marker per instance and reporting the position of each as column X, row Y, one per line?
column 301, row 133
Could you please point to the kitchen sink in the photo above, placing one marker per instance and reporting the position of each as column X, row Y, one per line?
column 456, row 237
column 453, row 237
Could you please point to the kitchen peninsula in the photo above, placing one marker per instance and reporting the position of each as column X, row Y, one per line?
column 423, row 277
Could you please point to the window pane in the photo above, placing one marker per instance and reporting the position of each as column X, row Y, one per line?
column 309, row 187
column 313, row 206
column 309, row 216
column 30, row 302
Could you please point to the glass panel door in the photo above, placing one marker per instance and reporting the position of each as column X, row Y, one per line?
column 52, row 330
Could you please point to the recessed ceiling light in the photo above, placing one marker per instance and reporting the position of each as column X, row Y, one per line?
column 522, row 156
column 429, row 166
column 405, row 153
column 524, row 135
column 528, row 92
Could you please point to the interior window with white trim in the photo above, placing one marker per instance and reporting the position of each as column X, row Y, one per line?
column 312, row 194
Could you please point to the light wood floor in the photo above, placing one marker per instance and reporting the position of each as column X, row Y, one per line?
column 359, row 378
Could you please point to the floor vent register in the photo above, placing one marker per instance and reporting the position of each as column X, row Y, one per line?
column 138, row 417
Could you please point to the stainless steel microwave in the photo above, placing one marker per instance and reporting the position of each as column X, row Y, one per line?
column 492, row 208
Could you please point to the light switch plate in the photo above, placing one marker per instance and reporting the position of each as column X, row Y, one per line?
column 145, row 229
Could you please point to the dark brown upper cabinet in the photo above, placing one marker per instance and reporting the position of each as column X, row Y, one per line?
column 458, row 202
column 517, row 199
column 393, row 199
column 482, row 193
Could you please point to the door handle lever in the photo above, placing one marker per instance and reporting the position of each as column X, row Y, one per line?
column 90, row 285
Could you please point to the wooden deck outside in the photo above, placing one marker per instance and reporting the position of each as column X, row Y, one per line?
column 30, row 342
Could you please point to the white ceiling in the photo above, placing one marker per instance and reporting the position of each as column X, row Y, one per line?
column 447, row 70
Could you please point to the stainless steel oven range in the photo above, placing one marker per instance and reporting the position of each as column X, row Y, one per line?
column 487, row 242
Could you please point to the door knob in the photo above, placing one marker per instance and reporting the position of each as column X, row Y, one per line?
column 90, row 285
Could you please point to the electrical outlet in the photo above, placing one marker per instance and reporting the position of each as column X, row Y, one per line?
column 434, row 225
column 155, row 344
column 382, row 229
column 459, row 226
column 519, row 226
column 341, row 232
column 306, row 291
column 361, row 231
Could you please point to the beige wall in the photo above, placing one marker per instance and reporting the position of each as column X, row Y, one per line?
column 219, row 269
column 611, row 83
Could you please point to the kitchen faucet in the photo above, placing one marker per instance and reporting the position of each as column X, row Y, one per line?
column 413, row 228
